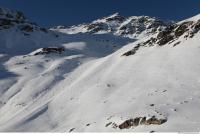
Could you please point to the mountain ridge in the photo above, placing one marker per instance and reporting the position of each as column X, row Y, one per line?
column 116, row 24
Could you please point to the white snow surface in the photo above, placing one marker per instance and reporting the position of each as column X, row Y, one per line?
column 90, row 84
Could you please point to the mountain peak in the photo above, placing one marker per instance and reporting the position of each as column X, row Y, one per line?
column 6, row 13
column 114, row 15
column 133, row 27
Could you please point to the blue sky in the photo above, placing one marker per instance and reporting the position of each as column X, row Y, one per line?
column 68, row 12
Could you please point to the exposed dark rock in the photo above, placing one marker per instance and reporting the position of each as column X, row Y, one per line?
column 109, row 85
column 167, row 31
column 126, row 124
column 196, row 28
column 114, row 125
column 141, row 121
column 143, row 19
column 4, row 22
column 167, row 38
column 108, row 124
column 182, row 28
column 133, row 51
column 186, row 36
column 197, row 25
column 20, row 16
column 116, row 18
column 127, row 30
column 130, row 30
column 139, row 24
column 176, row 43
column 168, row 35
column 48, row 50
column 131, row 122
column 150, row 42
column 1, row 11
column 152, row 105
column 96, row 27
column 175, row 31
column 26, row 28
column 155, row 121
column 136, row 121
column 72, row 129
column 10, row 19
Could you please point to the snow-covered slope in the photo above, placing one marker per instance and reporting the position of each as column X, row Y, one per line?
column 54, row 80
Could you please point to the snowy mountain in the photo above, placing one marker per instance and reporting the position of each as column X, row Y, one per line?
column 135, row 74
column 132, row 27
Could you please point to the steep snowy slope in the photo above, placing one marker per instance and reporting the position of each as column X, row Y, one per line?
column 34, row 60
column 101, row 82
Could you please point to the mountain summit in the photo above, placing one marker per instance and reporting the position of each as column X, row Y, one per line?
column 132, row 27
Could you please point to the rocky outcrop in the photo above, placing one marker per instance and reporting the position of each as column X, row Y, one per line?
column 173, row 32
column 26, row 28
column 49, row 50
column 71, row 130
column 149, row 42
column 133, row 51
column 196, row 28
column 166, row 35
column 141, row 121
column 129, row 123
column 170, row 34
column 4, row 22
column 137, row 25
column 182, row 28
column 15, row 19
column 96, row 27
